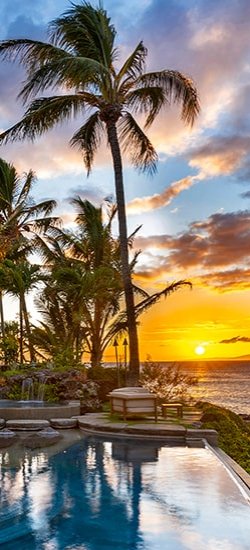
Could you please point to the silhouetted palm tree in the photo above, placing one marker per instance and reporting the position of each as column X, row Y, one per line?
column 19, row 213
column 18, row 279
column 81, row 57
column 20, row 216
column 84, row 276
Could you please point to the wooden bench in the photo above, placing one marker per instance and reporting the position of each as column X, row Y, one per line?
column 165, row 407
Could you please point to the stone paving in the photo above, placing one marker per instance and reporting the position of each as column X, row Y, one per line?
column 103, row 423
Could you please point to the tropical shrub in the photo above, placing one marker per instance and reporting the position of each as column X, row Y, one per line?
column 169, row 383
column 9, row 343
column 234, row 434
column 88, row 395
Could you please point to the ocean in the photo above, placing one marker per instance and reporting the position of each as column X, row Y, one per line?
column 224, row 383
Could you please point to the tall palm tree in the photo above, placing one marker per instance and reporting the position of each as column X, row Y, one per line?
column 80, row 57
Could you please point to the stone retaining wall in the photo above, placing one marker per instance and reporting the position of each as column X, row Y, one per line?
column 40, row 413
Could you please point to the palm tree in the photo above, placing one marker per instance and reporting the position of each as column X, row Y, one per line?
column 60, row 335
column 85, row 273
column 17, row 279
column 80, row 57
column 96, row 277
column 82, row 304
column 20, row 216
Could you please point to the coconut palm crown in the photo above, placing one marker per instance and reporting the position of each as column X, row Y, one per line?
column 19, row 213
column 80, row 62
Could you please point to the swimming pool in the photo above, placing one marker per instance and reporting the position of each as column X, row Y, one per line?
column 104, row 495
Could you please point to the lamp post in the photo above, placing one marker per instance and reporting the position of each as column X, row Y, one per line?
column 115, row 344
column 125, row 344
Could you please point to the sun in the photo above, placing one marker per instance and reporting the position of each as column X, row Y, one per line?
column 199, row 350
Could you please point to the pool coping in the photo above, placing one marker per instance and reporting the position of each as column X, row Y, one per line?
column 239, row 474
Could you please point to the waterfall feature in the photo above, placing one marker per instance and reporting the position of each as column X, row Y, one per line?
column 27, row 390
column 41, row 388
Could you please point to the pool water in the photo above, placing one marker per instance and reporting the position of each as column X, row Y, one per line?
column 104, row 495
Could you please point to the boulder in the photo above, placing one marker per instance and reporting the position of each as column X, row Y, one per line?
column 7, row 438
column 43, row 438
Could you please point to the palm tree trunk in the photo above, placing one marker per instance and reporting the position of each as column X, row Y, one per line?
column 96, row 342
column 27, row 327
column 2, row 323
column 134, row 362
column 21, row 331
column 2, row 315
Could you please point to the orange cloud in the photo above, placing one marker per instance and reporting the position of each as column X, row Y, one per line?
column 220, row 156
column 221, row 241
column 144, row 204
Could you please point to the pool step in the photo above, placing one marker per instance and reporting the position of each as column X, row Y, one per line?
column 27, row 425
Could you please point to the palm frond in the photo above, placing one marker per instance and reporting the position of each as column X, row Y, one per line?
column 49, row 249
column 30, row 179
column 43, row 207
column 9, row 185
column 177, row 88
column 132, row 236
column 137, row 144
column 133, row 261
column 88, row 138
column 69, row 72
column 147, row 101
column 134, row 65
column 32, row 54
column 42, row 115
column 118, row 328
column 85, row 30
column 151, row 300
column 41, row 225
column 140, row 291
column 89, row 217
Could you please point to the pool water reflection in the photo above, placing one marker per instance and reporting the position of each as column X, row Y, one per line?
column 104, row 495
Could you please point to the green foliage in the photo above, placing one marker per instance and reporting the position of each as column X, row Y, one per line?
column 234, row 434
column 9, row 347
column 15, row 392
column 64, row 360
column 9, row 343
column 11, row 372
column 168, row 383
column 107, row 380
column 51, row 393
column 102, row 374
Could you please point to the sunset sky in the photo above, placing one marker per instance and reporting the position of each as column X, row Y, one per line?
column 194, row 212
